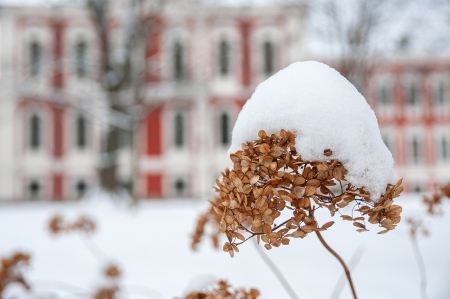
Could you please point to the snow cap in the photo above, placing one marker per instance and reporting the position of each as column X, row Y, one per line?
column 325, row 111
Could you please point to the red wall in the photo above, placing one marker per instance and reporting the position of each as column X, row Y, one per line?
column 154, row 132
column 154, row 185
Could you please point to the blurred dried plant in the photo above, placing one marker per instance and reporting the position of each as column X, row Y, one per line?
column 210, row 216
column 434, row 201
column 58, row 225
column 222, row 291
column 11, row 271
column 112, row 290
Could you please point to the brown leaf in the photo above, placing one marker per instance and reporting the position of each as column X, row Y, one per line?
column 360, row 225
column 298, row 191
column 327, row 225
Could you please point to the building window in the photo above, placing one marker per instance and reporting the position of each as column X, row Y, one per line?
column 384, row 96
column 34, row 189
column 178, row 62
column 224, row 58
column 415, row 148
column 440, row 94
column 35, row 59
column 444, row 149
column 81, row 132
column 35, row 132
column 413, row 94
column 179, row 130
column 180, row 187
column 224, row 129
column 268, row 51
column 81, row 188
column 80, row 59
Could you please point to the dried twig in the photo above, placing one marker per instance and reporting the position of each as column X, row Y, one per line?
column 347, row 271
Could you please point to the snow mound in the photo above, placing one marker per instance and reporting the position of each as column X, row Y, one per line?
column 326, row 112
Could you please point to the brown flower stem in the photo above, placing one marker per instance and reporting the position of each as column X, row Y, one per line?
column 347, row 272
column 421, row 265
column 351, row 265
column 275, row 271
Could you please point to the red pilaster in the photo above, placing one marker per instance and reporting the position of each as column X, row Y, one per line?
column 153, row 53
column 57, row 186
column 245, row 27
column 57, row 132
column 154, row 133
column 154, row 185
column 58, row 76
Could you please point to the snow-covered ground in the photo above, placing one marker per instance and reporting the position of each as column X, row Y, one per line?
column 151, row 243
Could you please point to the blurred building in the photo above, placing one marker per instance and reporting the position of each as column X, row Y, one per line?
column 200, row 65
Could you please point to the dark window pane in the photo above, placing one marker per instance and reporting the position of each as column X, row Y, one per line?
column 268, row 58
column 415, row 150
column 440, row 94
column 224, row 58
column 81, row 132
column 413, row 94
column 224, row 129
column 384, row 96
column 35, row 59
column 180, row 187
column 81, row 188
column 34, row 189
column 444, row 148
column 179, row 130
column 178, row 60
column 80, row 60
column 35, row 132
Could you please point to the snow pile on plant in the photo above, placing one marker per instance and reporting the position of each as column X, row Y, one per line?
column 326, row 112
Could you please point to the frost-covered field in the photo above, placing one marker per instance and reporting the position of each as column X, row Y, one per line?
column 151, row 244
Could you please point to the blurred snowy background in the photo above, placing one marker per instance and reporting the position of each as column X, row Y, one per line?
column 139, row 97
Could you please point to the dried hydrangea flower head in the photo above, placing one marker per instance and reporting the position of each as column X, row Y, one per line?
column 58, row 224
column 434, row 202
column 11, row 271
column 222, row 291
column 269, row 176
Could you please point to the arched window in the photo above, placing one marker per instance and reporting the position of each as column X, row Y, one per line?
column 415, row 150
column 81, row 132
column 35, row 59
column 180, row 187
column 179, row 130
column 440, row 94
column 178, row 62
column 81, row 188
column 35, row 132
column 33, row 189
column 412, row 94
column 224, row 58
column 224, row 129
column 80, row 59
column 268, row 51
column 384, row 95
column 444, row 148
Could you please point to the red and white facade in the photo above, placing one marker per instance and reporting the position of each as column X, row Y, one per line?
column 200, row 66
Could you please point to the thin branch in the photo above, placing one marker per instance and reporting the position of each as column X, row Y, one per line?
column 351, row 265
column 94, row 249
column 347, row 272
column 421, row 265
column 275, row 271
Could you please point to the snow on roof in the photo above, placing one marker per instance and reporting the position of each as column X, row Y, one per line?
column 327, row 112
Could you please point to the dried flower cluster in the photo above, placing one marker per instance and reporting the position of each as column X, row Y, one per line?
column 58, row 225
column 435, row 201
column 222, row 291
column 210, row 216
column 111, row 291
column 11, row 271
column 269, row 176
column 416, row 226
